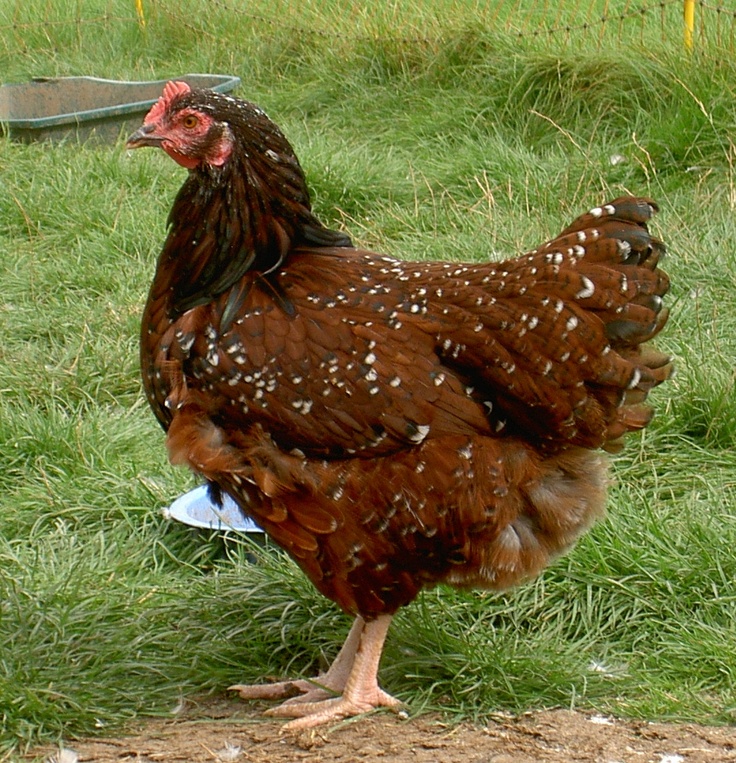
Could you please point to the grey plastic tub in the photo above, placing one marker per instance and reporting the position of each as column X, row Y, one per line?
column 80, row 108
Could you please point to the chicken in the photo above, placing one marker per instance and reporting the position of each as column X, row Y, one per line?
column 392, row 425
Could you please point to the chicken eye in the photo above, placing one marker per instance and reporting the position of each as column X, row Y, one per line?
column 190, row 121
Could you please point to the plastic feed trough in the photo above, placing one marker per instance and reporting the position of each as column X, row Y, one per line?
column 80, row 108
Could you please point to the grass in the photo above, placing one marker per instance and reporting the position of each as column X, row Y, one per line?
column 430, row 135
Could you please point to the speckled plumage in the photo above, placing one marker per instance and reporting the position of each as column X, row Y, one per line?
column 391, row 424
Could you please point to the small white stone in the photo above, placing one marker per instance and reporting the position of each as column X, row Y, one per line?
column 65, row 755
column 601, row 720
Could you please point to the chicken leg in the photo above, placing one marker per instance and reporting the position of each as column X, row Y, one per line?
column 353, row 676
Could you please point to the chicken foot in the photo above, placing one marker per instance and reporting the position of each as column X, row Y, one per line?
column 353, row 676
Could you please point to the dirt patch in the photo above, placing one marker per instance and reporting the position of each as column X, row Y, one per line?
column 225, row 732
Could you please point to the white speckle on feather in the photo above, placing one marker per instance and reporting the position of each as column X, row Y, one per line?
column 421, row 433
column 635, row 379
column 439, row 379
column 588, row 289
column 572, row 323
column 596, row 212
column 185, row 341
column 395, row 382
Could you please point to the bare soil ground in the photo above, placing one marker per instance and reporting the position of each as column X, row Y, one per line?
column 229, row 732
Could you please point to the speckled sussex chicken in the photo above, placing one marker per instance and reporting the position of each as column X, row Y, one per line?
column 392, row 425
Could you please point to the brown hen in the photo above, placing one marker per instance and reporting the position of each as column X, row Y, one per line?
column 392, row 425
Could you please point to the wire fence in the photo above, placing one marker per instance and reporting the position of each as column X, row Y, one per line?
column 695, row 24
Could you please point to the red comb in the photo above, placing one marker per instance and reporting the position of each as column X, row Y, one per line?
column 171, row 90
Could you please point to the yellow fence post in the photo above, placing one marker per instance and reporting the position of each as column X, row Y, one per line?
column 139, row 11
column 689, row 23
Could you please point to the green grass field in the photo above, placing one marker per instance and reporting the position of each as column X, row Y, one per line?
column 427, row 133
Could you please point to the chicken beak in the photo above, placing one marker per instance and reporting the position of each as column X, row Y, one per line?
column 143, row 137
